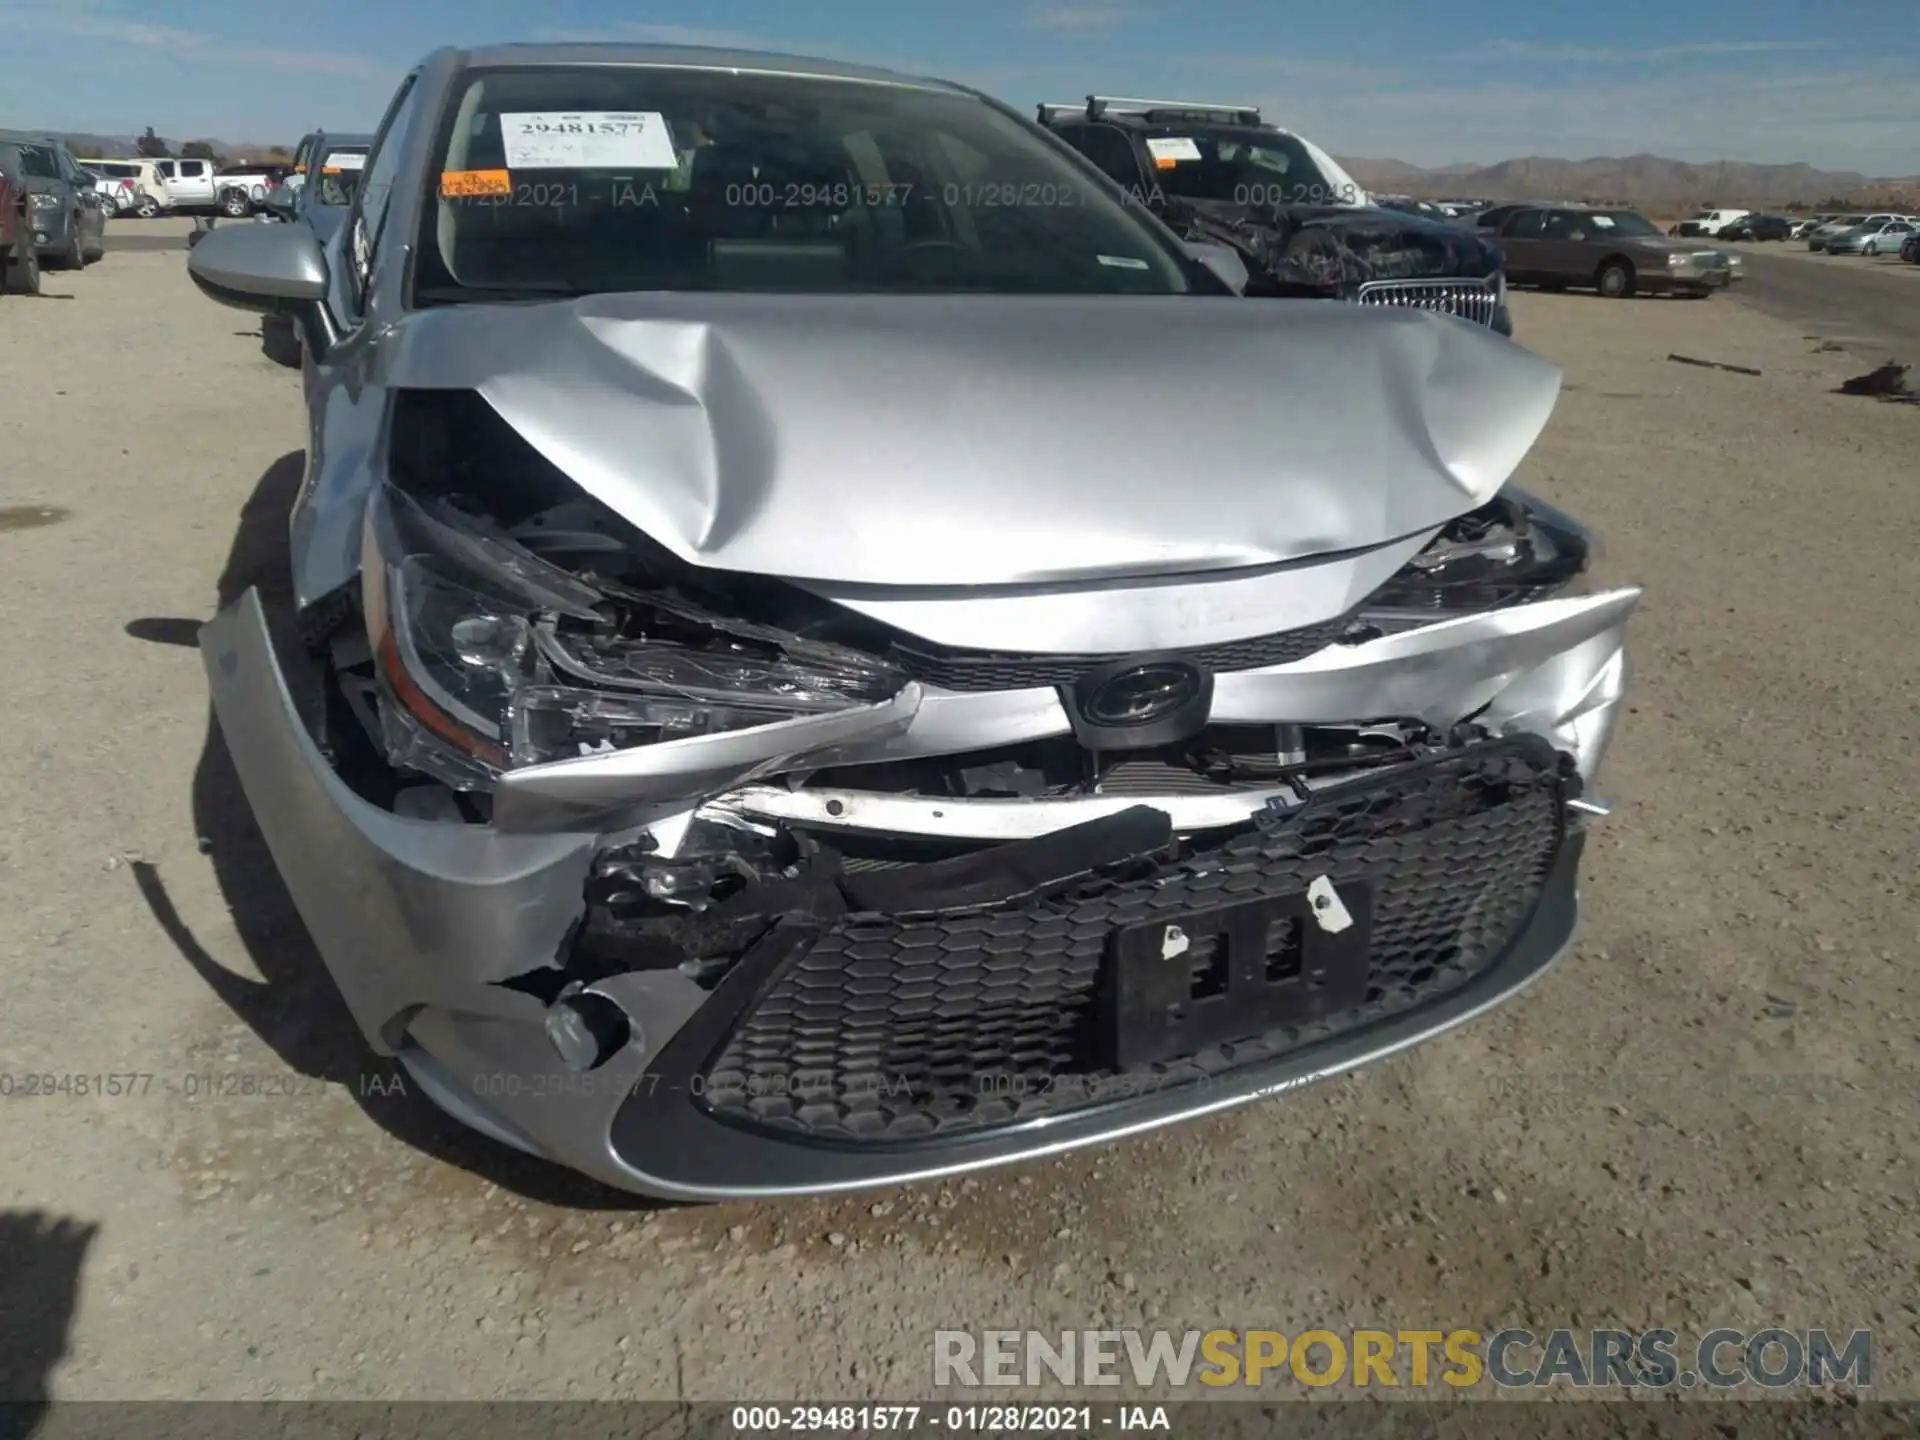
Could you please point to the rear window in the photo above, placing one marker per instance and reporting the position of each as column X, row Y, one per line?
column 579, row 180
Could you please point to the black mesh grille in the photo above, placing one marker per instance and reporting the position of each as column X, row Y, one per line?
column 897, row 1029
column 954, row 669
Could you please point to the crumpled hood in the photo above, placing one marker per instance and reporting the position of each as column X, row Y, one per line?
column 1338, row 248
column 997, row 440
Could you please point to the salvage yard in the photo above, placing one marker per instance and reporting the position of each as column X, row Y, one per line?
column 1705, row 1116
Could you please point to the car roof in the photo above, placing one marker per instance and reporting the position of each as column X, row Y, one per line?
column 691, row 57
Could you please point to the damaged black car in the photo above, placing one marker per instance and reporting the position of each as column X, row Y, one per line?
column 1299, row 222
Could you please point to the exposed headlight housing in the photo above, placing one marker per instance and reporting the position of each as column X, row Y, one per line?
column 42, row 200
column 490, row 658
column 1514, row 549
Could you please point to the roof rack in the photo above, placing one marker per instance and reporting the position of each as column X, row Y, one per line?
column 1098, row 105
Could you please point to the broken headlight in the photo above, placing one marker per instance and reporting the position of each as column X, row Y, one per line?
column 490, row 658
column 1514, row 549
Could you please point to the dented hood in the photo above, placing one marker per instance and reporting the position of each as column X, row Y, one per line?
column 997, row 440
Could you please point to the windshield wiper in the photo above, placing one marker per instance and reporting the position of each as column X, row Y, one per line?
column 526, row 290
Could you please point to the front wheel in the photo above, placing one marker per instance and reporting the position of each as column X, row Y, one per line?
column 1615, row 280
column 147, row 208
column 236, row 204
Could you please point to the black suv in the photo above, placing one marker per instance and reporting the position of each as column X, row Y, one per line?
column 1218, row 174
column 1758, row 227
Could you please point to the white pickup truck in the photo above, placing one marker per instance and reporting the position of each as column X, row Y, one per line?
column 236, row 190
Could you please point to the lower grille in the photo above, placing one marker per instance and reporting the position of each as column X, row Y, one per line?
column 1474, row 300
column 896, row 1029
column 957, row 669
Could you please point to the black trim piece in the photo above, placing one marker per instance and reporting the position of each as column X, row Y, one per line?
column 661, row 1133
column 1184, row 703
column 957, row 668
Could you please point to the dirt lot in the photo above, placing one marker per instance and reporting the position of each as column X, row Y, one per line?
column 1705, row 1116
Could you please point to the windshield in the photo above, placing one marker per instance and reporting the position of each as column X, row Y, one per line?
column 39, row 162
column 1625, row 222
column 1235, row 167
column 585, row 180
column 340, row 175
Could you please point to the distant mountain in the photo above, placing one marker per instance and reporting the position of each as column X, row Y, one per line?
column 1634, row 179
column 110, row 147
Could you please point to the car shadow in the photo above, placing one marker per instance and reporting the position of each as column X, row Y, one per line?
column 295, row 1008
column 41, row 1257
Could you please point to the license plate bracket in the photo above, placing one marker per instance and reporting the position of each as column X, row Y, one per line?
column 1182, row 982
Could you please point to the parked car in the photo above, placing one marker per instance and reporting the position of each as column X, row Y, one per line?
column 1876, row 237
column 151, row 195
column 1712, row 221
column 722, row 809
column 117, row 192
column 19, row 261
column 1617, row 252
column 240, row 190
column 1299, row 223
column 190, row 184
column 1758, row 228
column 1805, row 226
column 69, row 227
column 1818, row 236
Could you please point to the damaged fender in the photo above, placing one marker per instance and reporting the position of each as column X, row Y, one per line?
column 470, row 908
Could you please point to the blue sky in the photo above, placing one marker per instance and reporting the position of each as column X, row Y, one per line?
column 1837, row 86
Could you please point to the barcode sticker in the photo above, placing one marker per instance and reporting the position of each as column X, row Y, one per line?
column 588, row 140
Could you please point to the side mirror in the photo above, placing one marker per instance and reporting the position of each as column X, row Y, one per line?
column 271, row 269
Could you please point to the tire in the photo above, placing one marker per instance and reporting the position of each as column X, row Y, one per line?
column 73, row 257
column 235, row 204
column 258, row 194
column 1614, row 280
column 21, row 274
column 148, row 207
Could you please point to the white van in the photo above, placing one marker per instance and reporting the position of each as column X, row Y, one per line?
column 1712, row 222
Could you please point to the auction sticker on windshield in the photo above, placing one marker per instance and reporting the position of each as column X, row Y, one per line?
column 345, row 160
column 588, row 140
column 458, row 184
column 1173, row 147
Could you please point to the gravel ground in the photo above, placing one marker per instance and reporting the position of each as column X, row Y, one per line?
column 1705, row 1115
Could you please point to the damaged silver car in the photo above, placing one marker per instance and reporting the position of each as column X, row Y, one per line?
column 831, row 649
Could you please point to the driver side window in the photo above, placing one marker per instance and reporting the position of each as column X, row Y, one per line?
column 1527, row 225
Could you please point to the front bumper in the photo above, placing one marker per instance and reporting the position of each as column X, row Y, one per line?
column 420, row 924
column 52, row 230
